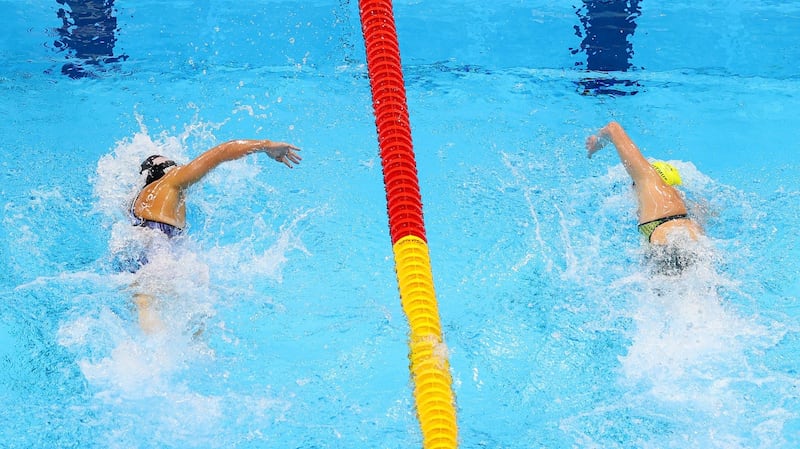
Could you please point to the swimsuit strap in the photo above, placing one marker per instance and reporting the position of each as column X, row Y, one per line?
column 649, row 227
column 135, row 219
column 168, row 229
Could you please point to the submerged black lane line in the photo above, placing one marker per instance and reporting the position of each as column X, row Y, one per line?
column 87, row 35
column 605, row 28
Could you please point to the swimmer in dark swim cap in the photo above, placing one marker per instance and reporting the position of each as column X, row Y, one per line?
column 161, row 204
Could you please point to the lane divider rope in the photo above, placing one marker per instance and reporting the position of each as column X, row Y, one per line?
column 430, row 368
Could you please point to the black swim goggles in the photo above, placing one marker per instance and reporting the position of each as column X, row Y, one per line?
column 155, row 171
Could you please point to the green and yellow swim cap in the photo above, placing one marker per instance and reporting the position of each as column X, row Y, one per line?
column 668, row 172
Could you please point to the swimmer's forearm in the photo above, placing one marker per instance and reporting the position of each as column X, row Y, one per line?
column 224, row 152
column 278, row 151
column 630, row 155
column 627, row 150
column 613, row 132
column 235, row 149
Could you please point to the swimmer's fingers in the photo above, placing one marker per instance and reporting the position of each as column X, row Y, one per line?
column 291, row 157
column 590, row 146
column 593, row 144
column 283, row 152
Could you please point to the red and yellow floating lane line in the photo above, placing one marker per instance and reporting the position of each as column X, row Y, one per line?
column 430, row 369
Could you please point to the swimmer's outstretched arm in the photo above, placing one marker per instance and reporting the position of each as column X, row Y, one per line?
column 188, row 174
column 635, row 163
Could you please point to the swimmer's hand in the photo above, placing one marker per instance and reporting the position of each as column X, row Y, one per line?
column 594, row 143
column 283, row 152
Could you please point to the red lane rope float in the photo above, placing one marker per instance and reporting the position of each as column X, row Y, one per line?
column 391, row 116
column 430, row 368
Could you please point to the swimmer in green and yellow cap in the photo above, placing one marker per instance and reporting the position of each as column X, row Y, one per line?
column 668, row 172
column 661, row 208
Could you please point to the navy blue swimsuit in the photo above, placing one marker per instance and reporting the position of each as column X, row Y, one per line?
column 132, row 263
column 170, row 230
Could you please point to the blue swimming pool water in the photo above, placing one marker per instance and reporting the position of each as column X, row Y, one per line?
column 556, row 337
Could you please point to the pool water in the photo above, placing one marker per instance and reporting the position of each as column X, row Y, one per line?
column 285, row 325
